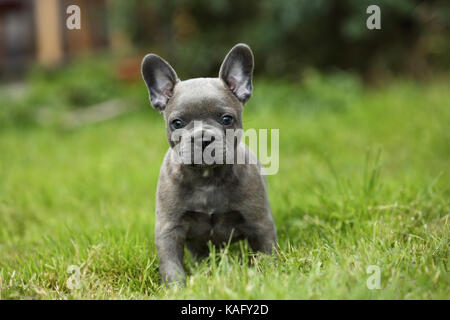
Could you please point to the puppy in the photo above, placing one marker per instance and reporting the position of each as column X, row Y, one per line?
column 199, row 198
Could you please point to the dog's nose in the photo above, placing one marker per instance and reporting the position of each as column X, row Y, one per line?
column 206, row 142
column 202, row 138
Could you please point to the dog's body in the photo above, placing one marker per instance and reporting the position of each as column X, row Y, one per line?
column 202, row 202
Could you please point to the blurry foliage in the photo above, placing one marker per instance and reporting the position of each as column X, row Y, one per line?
column 333, row 92
column 288, row 35
column 51, row 92
column 77, row 85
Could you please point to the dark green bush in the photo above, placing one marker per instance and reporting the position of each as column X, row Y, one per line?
column 289, row 35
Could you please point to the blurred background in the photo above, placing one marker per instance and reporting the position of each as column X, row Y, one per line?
column 290, row 38
column 288, row 35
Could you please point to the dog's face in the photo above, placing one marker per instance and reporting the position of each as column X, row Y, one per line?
column 204, row 115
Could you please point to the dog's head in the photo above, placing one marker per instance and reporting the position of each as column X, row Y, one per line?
column 202, row 113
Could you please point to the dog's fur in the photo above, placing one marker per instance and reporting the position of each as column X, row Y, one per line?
column 200, row 203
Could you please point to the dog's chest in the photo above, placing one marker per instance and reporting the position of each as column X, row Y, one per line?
column 208, row 199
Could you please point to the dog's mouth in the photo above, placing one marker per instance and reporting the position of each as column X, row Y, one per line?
column 204, row 165
column 199, row 157
column 204, row 162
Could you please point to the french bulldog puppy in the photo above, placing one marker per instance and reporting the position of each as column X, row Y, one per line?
column 200, row 201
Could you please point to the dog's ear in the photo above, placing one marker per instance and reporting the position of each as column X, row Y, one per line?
column 160, row 79
column 237, row 70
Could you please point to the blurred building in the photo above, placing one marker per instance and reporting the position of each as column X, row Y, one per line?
column 35, row 30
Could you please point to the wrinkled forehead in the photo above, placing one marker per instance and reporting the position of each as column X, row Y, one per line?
column 202, row 95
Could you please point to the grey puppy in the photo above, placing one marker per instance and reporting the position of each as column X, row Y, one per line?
column 201, row 202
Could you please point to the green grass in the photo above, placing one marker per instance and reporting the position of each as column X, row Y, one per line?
column 363, row 181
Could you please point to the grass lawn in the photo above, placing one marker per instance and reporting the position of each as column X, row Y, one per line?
column 363, row 180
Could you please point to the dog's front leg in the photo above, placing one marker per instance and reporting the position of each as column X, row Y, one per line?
column 263, row 238
column 170, row 240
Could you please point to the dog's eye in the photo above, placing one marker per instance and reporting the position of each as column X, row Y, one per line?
column 227, row 120
column 177, row 124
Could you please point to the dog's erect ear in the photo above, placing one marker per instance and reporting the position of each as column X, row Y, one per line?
column 160, row 79
column 237, row 70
